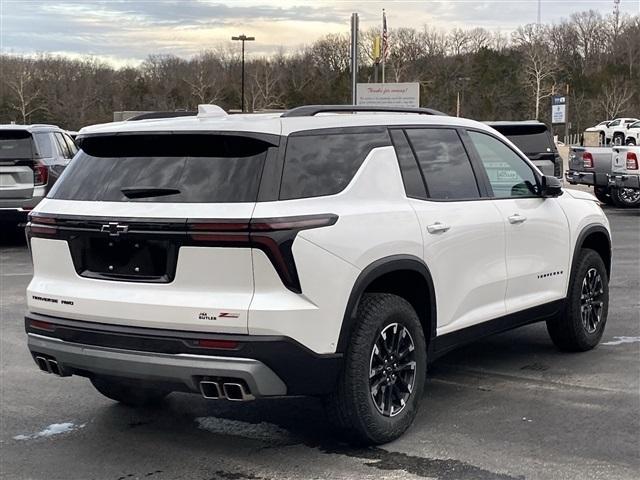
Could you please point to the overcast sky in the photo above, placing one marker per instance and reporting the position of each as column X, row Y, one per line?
column 126, row 31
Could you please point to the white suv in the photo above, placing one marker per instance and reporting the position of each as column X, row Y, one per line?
column 328, row 250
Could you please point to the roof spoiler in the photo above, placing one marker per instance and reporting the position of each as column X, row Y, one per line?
column 311, row 110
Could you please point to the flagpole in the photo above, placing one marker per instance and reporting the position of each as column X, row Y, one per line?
column 384, row 44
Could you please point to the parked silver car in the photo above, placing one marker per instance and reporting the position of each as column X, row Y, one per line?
column 32, row 157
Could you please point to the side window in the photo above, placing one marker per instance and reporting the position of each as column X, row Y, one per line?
column 64, row 148
column 73, row 149
column 318, row 165
column 444, row 163
column 509, row 175
column 43, row 142
column 411, row 176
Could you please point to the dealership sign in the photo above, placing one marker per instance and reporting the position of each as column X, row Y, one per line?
column 389, row 94
column 558, row 109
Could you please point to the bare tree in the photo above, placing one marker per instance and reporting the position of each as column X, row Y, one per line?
column 614, row 97
column 26, row 94
column 539, row 66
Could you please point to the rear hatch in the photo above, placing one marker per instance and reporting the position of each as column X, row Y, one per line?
column 535, row 141
column 147, row 230
column 17, row 160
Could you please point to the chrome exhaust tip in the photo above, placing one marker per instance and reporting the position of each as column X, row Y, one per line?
column 43, row 364
column 236, row 392
column 54, row 368
column 210, row 390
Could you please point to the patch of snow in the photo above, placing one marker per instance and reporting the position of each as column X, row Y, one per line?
column 51, row 430
column 257, row 431
column 621, row 340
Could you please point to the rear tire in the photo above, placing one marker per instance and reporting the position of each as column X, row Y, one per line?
column 580, row 326
column 625, row 197
column 380, row 387
column 631, row 141
column 127, row 393
column 603, row 194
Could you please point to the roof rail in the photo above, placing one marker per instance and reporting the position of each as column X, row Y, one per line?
column 158, row 115
column 311, row 110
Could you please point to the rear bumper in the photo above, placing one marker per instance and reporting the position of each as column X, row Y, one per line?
column 270, row 366
column 586, row 178
column 624, row 181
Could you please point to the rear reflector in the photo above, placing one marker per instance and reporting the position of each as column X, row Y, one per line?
column 40, row 325
column 587, row 160
column 217, row 344
column 632, row 161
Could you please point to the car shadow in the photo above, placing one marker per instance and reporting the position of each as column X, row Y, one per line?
column 12, row 235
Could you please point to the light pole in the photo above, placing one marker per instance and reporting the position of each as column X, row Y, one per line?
column 243, row 38
column 458, row 102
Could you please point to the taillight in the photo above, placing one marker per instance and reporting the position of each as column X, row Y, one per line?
column 632, row 161
column 587, row 160
column 41, row 226
column 274, row 236
column 40, row 325
column 40, row 174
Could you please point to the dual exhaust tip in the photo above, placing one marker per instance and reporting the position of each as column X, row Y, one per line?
column 236, row 392
column 49, row 365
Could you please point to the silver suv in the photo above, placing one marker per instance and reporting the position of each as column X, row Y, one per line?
column 32, row 157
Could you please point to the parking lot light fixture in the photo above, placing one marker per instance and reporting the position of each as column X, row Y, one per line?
column 243, row 38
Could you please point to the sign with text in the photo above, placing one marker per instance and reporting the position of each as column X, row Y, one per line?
column 389, row 94
column 558, row 109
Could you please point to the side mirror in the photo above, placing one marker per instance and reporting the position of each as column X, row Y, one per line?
column 550, row 186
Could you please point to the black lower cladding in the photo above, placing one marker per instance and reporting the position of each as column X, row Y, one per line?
column 304, row 372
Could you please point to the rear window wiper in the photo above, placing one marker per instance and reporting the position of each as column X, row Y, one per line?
column 147, row 192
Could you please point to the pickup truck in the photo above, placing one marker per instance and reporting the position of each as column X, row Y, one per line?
column 593, row 166
column 613, row 131
column 632, row 134
column 625, row 174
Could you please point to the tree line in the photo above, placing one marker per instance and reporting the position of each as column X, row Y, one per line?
column 593, row 59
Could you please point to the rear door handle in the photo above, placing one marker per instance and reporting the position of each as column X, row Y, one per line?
column 437, row 228
column 516, row 218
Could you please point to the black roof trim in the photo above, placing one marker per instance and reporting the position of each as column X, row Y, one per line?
column 311, row 110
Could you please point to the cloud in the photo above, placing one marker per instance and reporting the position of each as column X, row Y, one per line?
column 130, row 30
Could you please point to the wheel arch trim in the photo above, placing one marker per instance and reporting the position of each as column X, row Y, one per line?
column 376, row 270
column 582, row 236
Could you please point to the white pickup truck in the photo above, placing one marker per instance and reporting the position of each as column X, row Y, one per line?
column 625, row 173
column 632, row 134
column 613, row 131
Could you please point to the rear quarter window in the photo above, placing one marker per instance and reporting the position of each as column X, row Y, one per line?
column 197, row 168
column 323, row 164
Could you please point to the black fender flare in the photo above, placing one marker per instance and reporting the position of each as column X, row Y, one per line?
column 584, row 233
column 375, row 270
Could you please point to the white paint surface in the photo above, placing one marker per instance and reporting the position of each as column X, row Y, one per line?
column 51, row 430
column 621, row 340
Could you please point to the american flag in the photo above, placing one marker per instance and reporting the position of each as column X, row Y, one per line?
column 385, row 36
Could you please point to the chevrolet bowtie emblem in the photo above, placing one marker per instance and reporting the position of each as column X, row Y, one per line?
column 114, row 229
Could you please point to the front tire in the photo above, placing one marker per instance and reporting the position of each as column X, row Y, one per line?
column 129, row 393
column 384, row 371
column 625, row 197
column 631, row 141
column 580, row 326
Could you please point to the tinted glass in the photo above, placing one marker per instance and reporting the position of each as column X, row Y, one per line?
column 444, row 163
column 62, row 145
column 411, row 176
column 16, row 144
column 71, row 145
column 201, row 168
column 509, row 175
column 317, row 165
column 43, row 141
column 635, row 125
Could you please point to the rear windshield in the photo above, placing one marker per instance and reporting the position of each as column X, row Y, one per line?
column 529, row 139
column 15, row 144
column 173, row 168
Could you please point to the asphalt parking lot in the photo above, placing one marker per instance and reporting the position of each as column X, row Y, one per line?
column 507, row 407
